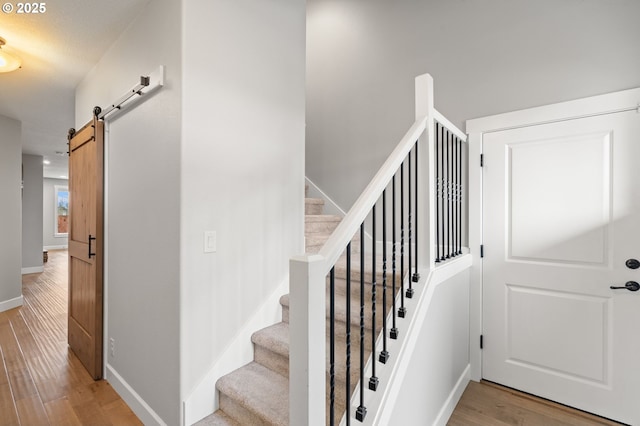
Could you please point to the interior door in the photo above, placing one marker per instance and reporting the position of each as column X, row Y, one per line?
column 86, row 151
column 561, row 217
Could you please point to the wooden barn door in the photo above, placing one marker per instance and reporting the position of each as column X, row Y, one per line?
column 86, row 181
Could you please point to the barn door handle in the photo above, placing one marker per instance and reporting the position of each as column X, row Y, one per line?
column 630, row 285
column 91, row 239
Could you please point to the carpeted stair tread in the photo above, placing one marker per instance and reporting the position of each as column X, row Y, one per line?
column 271, row 347
column 263, row 393
column 341, row 268
column 341, row 310
column 275, row 337
column 311, row 218
column 313, row 206
column 322, row 224
column 219, row 418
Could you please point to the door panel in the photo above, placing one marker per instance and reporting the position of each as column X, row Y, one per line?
column 561, row 215
column 85, row 246
column 558, row 213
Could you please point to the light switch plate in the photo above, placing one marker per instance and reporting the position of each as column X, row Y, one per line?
column 210, row 242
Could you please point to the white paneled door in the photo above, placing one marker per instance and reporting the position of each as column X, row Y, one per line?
column 561, row 219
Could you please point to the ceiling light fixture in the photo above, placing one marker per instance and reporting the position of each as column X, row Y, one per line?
column 8, row 62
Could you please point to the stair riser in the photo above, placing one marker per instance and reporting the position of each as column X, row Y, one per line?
column 273, row 361
column 340, row 325
column 341, row 289
column 314, row 243
column 313, row 208
column 341, row 273
column 323, row 228
column 239, row 413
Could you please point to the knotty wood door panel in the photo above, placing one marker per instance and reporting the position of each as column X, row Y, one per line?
column 86, row 183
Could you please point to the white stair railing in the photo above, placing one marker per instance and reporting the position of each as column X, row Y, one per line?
column 308, row 273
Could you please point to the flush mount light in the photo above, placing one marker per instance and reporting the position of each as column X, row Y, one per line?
column 8, row 62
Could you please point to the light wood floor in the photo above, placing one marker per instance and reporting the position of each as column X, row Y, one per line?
column 488, row 404
column 41, row 381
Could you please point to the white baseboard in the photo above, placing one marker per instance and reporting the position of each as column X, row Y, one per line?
column 138, row 405
column 203, row 400
column 11, row 303
column 32, row 270
column 59, row 247
column 454, row 397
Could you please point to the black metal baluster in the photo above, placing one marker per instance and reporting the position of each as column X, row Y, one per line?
column 442, row 193
column 394, row 330
column 384, row 355
column 373, row 380
column 460, row 197
column 348, row 338
column 332, row 345
column 437, row 195
column 454, row 210
column 416, row 276
column 409, row 292
column 448, row 198
column 402, row 311
column 361, row 411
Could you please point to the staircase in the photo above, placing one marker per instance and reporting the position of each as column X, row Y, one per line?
column 258, row 393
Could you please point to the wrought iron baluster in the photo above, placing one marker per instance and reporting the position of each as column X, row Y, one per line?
column 373, row 380
column 461, row 188
column 394, row 329
column 437, row 195
column 402, row 311
column 384, row 355
column 416, row 276
column 454, row 210
column 348, row 339
column 409, row 292
column 448, row 198
column 442, row 193
column 361, row 411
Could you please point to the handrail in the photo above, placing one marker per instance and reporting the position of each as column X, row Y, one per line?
column 357, row 214
column 449, row 125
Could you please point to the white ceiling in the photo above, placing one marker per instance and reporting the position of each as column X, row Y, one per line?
column 57, row 49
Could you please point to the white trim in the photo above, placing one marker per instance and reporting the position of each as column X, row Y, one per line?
column 60, row 247
column 105, row 247
column 32, row 270
column 449, row 125
column 56, row 189
column 203, row 400
column 11, row 303
column 581, row 108
column 138, row 405
column 455, row 395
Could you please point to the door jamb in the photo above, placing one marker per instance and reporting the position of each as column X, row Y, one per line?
column 595, row 105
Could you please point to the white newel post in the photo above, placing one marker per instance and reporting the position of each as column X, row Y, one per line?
column 307, row 342
column 426, row 176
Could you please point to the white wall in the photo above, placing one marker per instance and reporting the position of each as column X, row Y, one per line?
column 485, row 57
column 49, row 240
column 10, row 213
column 242, row 168
column 142, row 212
column 32, row 214
column 439, row 363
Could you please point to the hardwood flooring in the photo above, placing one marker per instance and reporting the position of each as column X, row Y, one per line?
column 485, row 403
column 41, row 381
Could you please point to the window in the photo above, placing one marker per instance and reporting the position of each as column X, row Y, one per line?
column 61, row 220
